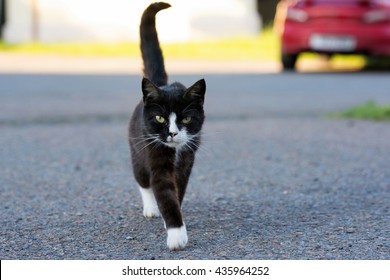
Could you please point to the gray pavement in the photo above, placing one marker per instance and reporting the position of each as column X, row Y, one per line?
column 274, row 178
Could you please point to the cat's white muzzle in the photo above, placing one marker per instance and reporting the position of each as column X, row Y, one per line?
column 174, row 142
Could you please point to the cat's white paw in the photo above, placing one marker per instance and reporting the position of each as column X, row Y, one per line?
column 177, row 238
column 150, row 204
column 151, row 212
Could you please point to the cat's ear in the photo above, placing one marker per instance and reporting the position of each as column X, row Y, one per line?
column 196, row 91
column 149, row 90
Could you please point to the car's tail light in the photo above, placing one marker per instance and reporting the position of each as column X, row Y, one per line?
column 376, row 16
column 297, row 15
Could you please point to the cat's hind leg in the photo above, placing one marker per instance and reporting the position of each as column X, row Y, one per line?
column 150, row 208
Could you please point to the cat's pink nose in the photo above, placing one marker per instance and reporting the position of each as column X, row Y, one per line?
column 172, row 134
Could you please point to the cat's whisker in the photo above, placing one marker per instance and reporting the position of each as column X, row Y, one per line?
column 151, row 144
column 194, row 146
column 188, row 145
column 204, row 150
column 143, row 143
column 141, row 138
column 155, row 142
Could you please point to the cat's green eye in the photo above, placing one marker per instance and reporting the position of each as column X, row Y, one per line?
column 160, row 119
column 186, row 120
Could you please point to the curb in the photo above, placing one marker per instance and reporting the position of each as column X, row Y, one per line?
column 52, row 63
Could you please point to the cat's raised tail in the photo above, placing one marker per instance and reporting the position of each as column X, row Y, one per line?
column 152, row 56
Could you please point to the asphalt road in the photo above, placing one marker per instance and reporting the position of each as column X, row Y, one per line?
column 274, row 179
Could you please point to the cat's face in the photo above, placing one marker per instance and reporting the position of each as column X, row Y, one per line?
column 174, row 115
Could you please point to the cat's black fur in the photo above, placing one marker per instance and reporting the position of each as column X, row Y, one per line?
column 161, row 163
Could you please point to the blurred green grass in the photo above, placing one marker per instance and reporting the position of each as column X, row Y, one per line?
column 367, row 111
column 265, row 47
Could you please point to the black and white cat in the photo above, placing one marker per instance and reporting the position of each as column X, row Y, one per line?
column 164, row 134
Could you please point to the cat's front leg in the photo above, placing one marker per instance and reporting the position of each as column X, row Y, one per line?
column 177, row 238
column 184, row 163
column 150, row 208
column 167, row 199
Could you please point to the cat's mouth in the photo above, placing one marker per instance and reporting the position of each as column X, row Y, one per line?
column 171, row 142
column 174, row 142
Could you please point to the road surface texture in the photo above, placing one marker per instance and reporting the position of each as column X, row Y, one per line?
column 274, row 179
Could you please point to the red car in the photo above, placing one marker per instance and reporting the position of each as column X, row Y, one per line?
column 333, row 26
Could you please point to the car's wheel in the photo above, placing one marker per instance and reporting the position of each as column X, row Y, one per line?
column 289, row 61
